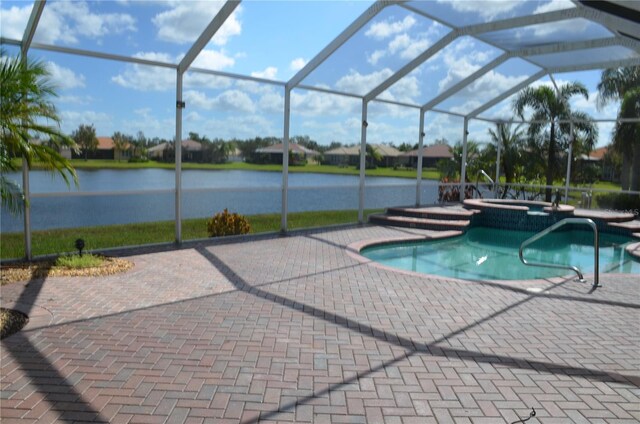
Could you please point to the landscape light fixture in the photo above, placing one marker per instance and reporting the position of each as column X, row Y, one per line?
column 79, row 245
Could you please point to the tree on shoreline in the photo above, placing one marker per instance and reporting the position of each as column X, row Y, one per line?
column 511, row 142
column 624, row 84
column 85, row 138
column 551, row 112
column 26, row 113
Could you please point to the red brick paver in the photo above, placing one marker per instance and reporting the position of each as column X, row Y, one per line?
column 292, row 329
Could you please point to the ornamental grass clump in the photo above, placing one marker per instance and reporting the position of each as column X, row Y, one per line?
column 227, row 224
column 79, row 261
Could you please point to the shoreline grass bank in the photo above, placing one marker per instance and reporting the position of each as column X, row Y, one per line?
column 427, row 174
column 58, row 241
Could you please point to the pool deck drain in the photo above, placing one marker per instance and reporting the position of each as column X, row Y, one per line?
column 293, row 329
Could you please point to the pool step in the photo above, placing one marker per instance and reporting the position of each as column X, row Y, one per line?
column 630, row 226
column 420, row 223
column 434, row 213
column 607, row 216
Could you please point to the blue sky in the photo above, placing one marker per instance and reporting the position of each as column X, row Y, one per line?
column 274, row 39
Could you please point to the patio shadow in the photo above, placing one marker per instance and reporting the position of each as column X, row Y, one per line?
column 413, row 347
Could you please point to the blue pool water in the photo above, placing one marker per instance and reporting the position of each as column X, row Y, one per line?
column 492, row 254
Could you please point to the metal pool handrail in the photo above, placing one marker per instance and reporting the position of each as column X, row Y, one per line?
column 596, row 246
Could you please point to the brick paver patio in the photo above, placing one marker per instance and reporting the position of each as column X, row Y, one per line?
column 294, row 329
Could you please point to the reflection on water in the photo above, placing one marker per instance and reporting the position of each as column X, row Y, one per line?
column 204, row 193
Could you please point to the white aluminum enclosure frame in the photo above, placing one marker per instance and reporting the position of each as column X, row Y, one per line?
column 626, row 33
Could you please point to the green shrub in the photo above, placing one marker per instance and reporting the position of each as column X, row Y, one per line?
column 227, row 224
column 621, row 202
column 138, row 159
column 78, row 262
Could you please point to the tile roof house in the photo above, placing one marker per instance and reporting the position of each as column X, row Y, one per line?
column 351, row 155
column 430, row 155
column 273, row 153
column 191, row 151
column 106, row 149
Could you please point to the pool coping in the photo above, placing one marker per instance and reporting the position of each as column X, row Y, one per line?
column 517, row 205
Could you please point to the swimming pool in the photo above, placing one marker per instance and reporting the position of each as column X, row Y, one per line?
column 492, row 254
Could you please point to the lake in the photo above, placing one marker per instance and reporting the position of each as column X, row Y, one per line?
column 108, row 197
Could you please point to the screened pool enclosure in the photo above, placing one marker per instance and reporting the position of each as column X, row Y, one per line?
column 404, row 71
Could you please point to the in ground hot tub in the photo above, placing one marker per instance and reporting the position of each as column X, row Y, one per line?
column 521, row 215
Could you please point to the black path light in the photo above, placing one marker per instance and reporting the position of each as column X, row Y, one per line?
column 80, row 245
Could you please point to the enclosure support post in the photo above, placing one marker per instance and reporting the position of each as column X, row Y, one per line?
column 568, row 180
column 497, row 180
column 463, row 172
column 178, row 152
column 363, row 153
column 27, row 210
column 419, row 164
column 285, row 159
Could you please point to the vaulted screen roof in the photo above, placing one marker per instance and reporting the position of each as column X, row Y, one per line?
column 392, row 51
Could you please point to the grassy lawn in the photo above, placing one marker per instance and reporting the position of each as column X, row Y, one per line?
column 62, row 240
column 428, row 173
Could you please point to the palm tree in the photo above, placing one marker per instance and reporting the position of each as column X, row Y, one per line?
column 549, row 108
column 121, row 143
column 374, row 155
column 26, row 113
column 85, row 137
column 623, row 84
column 511, row 143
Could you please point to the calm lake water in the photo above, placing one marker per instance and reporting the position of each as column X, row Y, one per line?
column 205, row 192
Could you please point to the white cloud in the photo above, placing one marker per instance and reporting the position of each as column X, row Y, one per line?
column 239, row 126
column 491, row 85
column 374, row 57
column 487, row 9
column 271, row 103
column 554, row 5
column 254, row 87
column 297, row 64
column 409, row 47
column 230, row 100
column 151, row 125
column 355, row 82
column 153, row 78
column 71, row 120
column 384, row 29
column 13, row 21
column 186, row 20
column 461, row 61
column 148, row 78
column 269, row 73
column 314, row 104
column 406, row 90
column 66, row 22
column 64, row 78
column 213, row 59
column 440, row 125
column 78, row 100
column 346, row 131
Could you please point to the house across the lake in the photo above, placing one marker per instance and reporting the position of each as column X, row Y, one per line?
column 350, row 156
column 273, row 154
column 191, row 151
column 106, row 149
column 598, row 157
column 430, row 155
